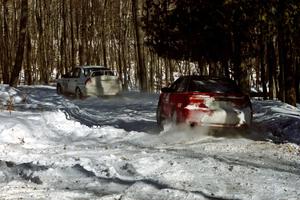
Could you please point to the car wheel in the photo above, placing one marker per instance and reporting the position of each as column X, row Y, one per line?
column 59, row 89
column 174, row 117
column 78, row 93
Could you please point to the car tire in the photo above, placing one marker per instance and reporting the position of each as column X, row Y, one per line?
column 174, row 118
column 78, row 93
column 59, row 89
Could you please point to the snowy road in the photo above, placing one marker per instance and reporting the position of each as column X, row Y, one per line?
column 53, row 147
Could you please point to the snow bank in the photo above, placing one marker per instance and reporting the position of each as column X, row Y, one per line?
column 279, row 119
column 56, row 147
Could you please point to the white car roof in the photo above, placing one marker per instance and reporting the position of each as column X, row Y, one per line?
column 91, row 66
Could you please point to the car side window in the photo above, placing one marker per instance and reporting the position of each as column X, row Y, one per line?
column 182, row 86
column 175, row 85
column 76, row 73
column 86, row 72
column 179, row 85
column 193, row 86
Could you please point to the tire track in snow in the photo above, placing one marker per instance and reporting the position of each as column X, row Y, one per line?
column 154, row 183
column 91, row 118
column 24, row 171
column 273, row 164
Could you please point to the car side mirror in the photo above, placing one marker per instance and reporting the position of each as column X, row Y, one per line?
column 167, row 90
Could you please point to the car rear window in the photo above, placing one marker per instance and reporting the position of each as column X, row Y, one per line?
column 211, row 85
column 98, row 72
column 103, row 72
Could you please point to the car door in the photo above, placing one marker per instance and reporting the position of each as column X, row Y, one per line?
column 178, row 99
column 172, row 101
column 64, row 81
column 73, row 80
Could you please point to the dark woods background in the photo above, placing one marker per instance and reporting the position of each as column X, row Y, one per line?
column 255, row 42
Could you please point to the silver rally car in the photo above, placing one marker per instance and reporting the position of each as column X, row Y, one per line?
column 89, row 81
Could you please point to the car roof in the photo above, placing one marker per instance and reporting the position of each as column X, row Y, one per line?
column 90, row 66
column 93, row 67
column 200, row 77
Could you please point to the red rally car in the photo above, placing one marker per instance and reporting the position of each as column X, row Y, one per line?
column 204, row 101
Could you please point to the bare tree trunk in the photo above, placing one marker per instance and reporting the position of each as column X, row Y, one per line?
column 28, row 71
column 290, row 77
column 151, row 78
column 6, row 57
column 103, row 35
column 167, row 73
column 160, row 66
column 41, row 56
column 124, row 61
column 2, row 42
column 285, row 49
column 202, row 67
column 171, row 70
column 63, row 40
column 226, row 68
column 281, row 51
column 73, row 53
column 262, row 65
column 83, row 33
column 237, row 57
column 21, row 44
column 240, row 73
column 272, row 69
column 137, row 7
column 298, row 79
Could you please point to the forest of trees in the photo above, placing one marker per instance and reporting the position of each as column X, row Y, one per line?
column 254, row 42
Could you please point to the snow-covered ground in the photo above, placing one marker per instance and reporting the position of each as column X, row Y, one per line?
column 55, row 147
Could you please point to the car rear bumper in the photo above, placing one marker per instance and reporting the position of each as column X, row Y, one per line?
column 103, row 88
column 233, row 118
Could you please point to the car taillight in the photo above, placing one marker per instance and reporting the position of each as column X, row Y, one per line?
column 88, row 81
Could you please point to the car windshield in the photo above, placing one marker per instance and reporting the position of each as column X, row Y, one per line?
column 212, row 85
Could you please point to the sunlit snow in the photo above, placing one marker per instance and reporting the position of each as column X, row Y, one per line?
column 57, row 147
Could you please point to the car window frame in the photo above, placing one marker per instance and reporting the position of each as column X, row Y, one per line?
column 180, row 85
column 74, row 73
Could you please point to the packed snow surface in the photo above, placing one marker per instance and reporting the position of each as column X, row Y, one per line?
column 57, row 147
